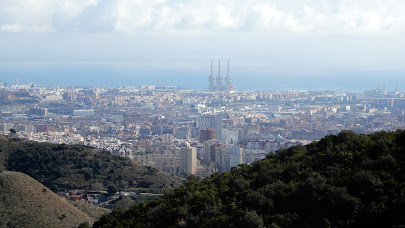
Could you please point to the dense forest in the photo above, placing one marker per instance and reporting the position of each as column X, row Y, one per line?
column 344, row 180
column 75, row 166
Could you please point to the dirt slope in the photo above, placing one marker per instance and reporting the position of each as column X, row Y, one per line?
column 24, row 202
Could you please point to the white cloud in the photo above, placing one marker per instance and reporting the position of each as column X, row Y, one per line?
column 297, row 16
column 372, row 18
column 39, row 15
column 71, row 8
column 27, row 13
column 21, row 28
column 11, row 28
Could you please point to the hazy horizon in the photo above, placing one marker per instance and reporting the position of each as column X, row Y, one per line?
column 318, row 45
column 110, row 76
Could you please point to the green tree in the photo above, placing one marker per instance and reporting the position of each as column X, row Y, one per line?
column 251, row 220
column 97, row 186
column 112, row 189
column 54, row 188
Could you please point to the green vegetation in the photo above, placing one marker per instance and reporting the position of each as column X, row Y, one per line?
column 12, row 131
column 61, row 166
column 125, row 202
column 122, row 203
column 112, row 189
column 348, row 180
column 92, row 211
column 12, row 98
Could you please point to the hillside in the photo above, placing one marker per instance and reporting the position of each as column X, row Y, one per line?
column 75, row 166
column 94, row 212
column 27, row 203
column 348, row 180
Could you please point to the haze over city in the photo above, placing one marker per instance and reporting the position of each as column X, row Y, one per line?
column 202, row 113
column 272, row 45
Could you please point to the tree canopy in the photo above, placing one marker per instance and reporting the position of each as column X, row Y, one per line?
column 344, row 180
column 76, row 166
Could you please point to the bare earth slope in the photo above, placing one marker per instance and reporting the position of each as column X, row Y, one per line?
column 24, row 202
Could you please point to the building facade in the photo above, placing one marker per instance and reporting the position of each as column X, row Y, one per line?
column 188, row 160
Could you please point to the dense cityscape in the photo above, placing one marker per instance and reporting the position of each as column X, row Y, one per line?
column 185, row 132
column 224, row 113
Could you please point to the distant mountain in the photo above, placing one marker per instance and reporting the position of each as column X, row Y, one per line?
column 76, row 166
column 348, row 180
column 24, row 202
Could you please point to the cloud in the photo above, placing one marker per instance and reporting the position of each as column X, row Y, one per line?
column 20, row 28
column 39, row 15
column 72, row 8
column 341, row 16
column 133, row 16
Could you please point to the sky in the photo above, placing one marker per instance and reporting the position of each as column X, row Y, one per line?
column 271, row 44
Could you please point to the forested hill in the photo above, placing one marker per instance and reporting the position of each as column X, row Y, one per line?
column 348, row 180
column 75, row 166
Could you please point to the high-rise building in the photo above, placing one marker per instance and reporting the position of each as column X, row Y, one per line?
column 25, row 128
column 233, row 156
column 267, row 145
column 271, row 146
column 230, row 136
column 38, row 111
column 70, row 95
column 188, row 160
column 5, row 127
column 167, row 138
column 219, row 157
column 207, row 134
column 211, row 122
column 209, row 151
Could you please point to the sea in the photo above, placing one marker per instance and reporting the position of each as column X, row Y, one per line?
column 243, row 79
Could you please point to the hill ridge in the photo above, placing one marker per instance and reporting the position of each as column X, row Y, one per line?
column 27, row 203
column 344, row 180
column 76, row 166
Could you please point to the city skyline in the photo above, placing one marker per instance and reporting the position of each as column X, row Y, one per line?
column 222, row 113
column 192, row 132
